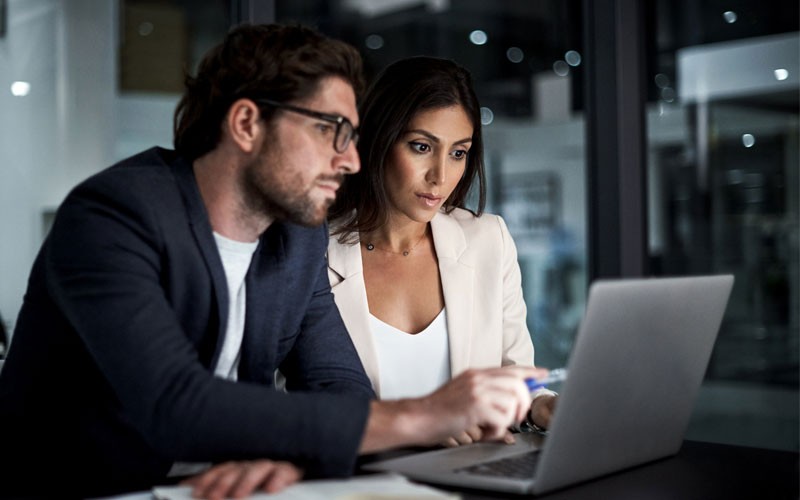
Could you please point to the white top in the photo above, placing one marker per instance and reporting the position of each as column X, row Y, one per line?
column 411, row 365
column 236, row 257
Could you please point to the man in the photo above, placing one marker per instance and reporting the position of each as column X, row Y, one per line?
column 174, row 284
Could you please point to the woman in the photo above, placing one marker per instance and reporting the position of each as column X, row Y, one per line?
column 426, row 288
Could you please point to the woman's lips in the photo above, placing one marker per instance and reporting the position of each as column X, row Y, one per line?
column 429, row 200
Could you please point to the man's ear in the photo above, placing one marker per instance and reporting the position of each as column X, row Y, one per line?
column 244, row 124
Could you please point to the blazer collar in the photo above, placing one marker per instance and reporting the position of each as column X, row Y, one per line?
column 458, row 287
column 204, row 236
column 345, row 259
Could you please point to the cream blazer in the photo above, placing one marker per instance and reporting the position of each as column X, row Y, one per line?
column 482, row 293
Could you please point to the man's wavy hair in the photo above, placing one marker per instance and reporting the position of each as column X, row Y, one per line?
column 278, row 62
column 397, row 94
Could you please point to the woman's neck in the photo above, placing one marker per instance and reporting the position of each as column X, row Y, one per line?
column 396, row 237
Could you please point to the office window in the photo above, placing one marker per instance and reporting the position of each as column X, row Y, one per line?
column 159, row 42
column 723, row 197
column 525, row 58
column 83, row 84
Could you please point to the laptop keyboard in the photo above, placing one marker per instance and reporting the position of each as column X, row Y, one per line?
column 518, row 466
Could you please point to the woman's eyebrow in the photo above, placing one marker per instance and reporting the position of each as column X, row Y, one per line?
column 433, row 137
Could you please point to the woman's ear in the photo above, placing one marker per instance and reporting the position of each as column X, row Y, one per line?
column 244, row 125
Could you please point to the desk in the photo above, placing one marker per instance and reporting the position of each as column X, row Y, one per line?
column 699, row 471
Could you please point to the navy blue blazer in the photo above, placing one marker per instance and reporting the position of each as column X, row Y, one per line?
column 109, row 377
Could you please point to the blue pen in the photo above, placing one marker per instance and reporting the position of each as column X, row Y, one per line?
column 555, row 375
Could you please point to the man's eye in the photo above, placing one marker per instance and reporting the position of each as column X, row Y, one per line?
column 325, row 128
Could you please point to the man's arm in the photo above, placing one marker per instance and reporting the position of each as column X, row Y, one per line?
column 491, row 399
column 323, row 356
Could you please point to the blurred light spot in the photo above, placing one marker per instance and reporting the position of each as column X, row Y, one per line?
column 572, row 57
column 730, row 16
column 661, row 80
column 781, row 74
column 20, row 89
column 487, row 116
column 146, row 28
column 748, row 140
column 478, row 37
column 668, row 94
column 374, row 42
column 515, row 54
column 561, row 68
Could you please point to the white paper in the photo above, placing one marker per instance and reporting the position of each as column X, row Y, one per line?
column 373, row 487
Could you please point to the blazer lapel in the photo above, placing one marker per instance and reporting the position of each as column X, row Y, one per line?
column 351, row 296
column 204, row 236
column 457, row 286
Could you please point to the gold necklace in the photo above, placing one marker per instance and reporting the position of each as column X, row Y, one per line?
column 404, row 253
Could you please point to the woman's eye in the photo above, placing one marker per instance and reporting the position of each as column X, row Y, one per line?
column 420, row 147
column 459, row 154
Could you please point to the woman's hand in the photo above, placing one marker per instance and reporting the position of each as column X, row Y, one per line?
column 542, row 408
column 473, row 435
column 240, row 479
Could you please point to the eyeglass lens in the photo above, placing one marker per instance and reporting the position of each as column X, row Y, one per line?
column 344, row 134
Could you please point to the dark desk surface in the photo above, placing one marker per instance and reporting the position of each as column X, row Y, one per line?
column 699, row 471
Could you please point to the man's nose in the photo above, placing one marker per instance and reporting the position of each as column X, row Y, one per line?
column 348, row 161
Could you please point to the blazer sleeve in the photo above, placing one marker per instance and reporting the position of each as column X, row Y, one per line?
column 517, row 343
column 323, row 356
column 105, row 263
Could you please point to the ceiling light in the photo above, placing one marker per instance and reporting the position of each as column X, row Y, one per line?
column 478, row 37
column 487, row 116
column 561, row 68
column 515, row 54
column 572, row 57
column 781, row 74
column 20, row 89
column 374, row 42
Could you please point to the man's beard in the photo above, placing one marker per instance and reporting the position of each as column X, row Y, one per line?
column 283, row 197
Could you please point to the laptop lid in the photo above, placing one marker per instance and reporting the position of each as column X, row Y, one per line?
column 634, row 372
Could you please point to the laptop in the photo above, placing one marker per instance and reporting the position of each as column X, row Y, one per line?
column 634, row 372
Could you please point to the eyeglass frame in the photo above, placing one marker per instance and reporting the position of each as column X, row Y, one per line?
column 339, row 120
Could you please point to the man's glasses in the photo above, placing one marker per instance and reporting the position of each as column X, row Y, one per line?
column 345, row 131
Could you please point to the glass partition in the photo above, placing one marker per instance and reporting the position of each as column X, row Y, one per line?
column 723, row 191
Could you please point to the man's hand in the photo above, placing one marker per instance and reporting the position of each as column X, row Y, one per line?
column 490, row 400
column 240, row 479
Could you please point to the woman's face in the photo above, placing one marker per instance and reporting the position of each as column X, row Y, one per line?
column 427, row 162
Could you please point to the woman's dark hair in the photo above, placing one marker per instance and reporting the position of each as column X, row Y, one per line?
column 397, row 94
column 282, row 63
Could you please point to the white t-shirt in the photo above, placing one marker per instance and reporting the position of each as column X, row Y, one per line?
column 411, row 365
column 236, row 257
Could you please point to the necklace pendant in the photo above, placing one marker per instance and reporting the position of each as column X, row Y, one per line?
column 370, row 247
column 405, row 253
